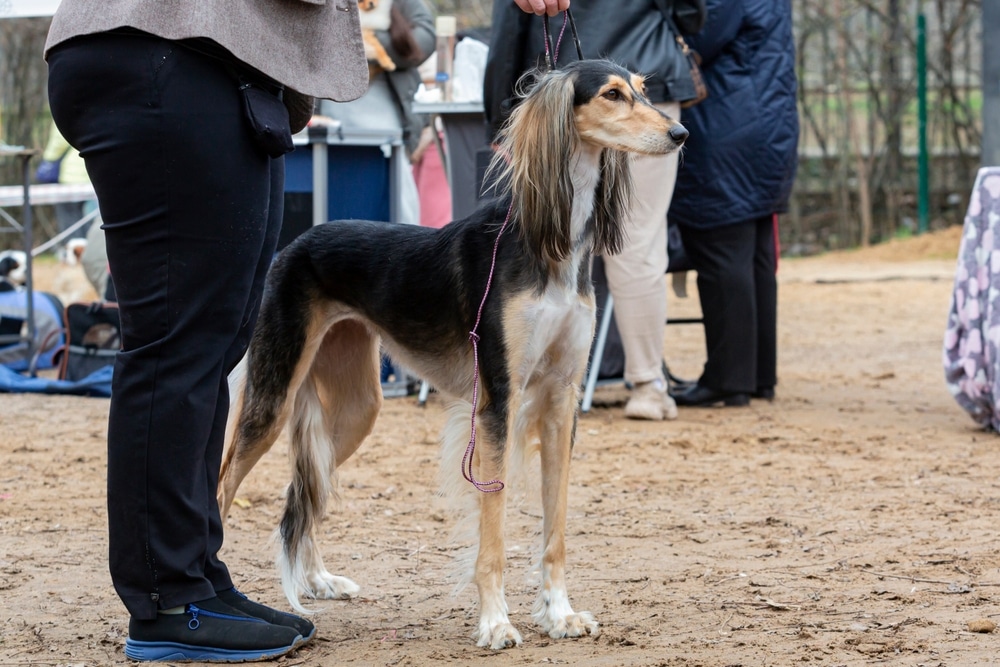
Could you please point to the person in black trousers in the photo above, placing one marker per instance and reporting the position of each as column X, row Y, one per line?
column 737, row 174
column 183, row 140
column 183, row 328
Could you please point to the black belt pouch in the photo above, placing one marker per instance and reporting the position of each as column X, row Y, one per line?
column 268, row 119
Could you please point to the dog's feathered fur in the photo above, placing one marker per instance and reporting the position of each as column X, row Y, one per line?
column 342, row 288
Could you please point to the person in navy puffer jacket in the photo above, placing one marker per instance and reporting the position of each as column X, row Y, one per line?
column 736, row 175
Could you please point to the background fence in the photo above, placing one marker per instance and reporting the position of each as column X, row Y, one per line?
column 858, row 72
column 858, row 69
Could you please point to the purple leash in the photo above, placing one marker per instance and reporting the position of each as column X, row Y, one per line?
column 551, row 56
column 493, row 485
column 552, row 52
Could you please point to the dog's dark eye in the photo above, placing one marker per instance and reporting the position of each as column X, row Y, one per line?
column 614, row 95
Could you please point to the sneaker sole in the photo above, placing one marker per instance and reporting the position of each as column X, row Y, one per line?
column 175, row 652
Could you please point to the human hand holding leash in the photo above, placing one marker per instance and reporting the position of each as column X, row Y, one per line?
column 539, row 7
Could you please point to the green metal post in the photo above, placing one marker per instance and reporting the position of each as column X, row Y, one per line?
column 923, row 170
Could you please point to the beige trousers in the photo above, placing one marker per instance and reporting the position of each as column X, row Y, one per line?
column 636, row 275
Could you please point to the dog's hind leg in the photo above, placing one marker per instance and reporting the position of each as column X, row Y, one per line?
column 280, row 355
column 552, row 610
column 334, row 412
column 232, row 473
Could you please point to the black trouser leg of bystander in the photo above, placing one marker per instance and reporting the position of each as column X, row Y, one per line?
column 192, row 211
column 766, row 291
column 724, row 260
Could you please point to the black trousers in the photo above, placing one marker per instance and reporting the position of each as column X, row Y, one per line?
column 192, row 210
column 738, row 290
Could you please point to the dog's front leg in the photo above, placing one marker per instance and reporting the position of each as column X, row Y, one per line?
column 495, row 629
column 374, row 51
column 552, row 610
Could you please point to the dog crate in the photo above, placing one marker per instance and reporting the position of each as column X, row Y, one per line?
column 334, row 175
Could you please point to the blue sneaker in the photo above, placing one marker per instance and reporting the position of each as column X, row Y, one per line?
column 208, row 631
column 241, row 602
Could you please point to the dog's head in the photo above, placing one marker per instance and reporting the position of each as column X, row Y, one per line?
column 13, row 267
column 375, row 14
column 73, row 252
column 597, row 102
column 589, row 103
column 611, row 110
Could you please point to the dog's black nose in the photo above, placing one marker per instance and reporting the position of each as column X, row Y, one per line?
column 678, row 134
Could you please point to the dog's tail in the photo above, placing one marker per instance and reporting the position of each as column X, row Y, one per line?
column 307, row 495
column 458, row 496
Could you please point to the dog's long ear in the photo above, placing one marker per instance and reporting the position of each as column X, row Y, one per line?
column 537, row 144
column 401, row 36
column 611, row 201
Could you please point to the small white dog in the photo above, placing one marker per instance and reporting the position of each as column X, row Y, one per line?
column 69, row 282
column 72, row 252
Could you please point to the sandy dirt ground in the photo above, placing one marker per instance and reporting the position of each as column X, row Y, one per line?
column 853, row 521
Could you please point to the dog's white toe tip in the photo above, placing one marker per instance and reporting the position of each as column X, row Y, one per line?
column 499, row 637
column 331, row 587
column 575, row 625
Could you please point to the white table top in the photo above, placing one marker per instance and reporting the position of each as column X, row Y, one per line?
column 447, row 107
column 47, row 193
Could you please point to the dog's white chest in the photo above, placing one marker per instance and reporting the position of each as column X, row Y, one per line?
column 550, row 334
column 565, row 321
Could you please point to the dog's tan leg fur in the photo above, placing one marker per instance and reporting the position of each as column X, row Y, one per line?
column 495, row 629
column 375, row 50
column 346, row 370
column 335, row 410
column 552, row 610
column 242, row 455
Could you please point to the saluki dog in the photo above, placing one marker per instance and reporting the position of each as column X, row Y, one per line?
column 342, row 289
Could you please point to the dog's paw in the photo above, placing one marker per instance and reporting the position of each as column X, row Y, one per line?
column 558, row 620
column 498, row 635
column 573, row 625
column 387, row 64
column 326, row 586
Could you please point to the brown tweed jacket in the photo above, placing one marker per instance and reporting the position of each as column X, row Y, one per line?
column 312, row 46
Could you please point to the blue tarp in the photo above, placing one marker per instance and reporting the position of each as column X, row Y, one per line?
column 49, row 323
column 97, row 383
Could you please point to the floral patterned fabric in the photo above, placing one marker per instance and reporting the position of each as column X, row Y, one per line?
column 972, row 339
